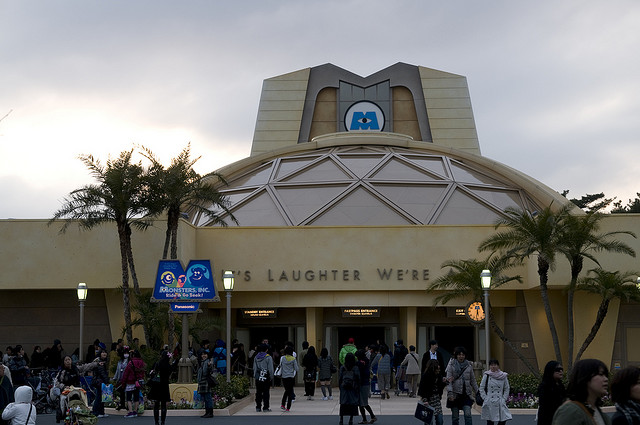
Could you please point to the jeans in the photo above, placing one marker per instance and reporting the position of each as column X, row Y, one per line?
column 439, row 419
column 208, row 400
column 287, row 383
column 262, row 393
column 98, row 405
column 455, row 415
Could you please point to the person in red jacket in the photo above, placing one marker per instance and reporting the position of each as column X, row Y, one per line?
column 133, row 373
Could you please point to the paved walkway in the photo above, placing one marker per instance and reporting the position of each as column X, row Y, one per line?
column 396, row 405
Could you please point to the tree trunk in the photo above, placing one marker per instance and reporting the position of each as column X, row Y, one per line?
column 513, row 348
column 132, row 267
column 543, row 270
column 126, row 302
column 602, row 313
column 576, row 268
column 173, row 221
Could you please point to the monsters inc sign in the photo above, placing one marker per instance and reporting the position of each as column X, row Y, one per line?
column 364, row 116
column 175, row 284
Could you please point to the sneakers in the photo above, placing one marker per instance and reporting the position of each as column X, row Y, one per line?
column 286, row 410
column 130, row 415
column 330, row 397
column 258, row 409
column 282, row 407
column 266, row 410
column 325, row 398
column 104, row 415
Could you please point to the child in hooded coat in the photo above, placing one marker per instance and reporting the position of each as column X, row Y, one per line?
column 21, row 409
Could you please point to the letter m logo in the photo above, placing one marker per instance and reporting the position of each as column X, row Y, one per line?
column 364, row 121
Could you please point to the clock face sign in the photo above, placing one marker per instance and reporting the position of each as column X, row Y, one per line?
column 475, row 312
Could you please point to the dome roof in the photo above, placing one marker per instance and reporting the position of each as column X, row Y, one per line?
column 369, row 180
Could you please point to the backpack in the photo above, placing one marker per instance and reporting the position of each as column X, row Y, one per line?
column 348, row 382
column 263, row 374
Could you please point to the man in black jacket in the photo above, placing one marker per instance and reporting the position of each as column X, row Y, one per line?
column 433, row 353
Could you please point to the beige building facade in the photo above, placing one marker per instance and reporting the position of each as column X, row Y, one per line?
column 356, row 191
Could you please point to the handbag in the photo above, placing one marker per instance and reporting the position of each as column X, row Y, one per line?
column 278, row 371
column 479, row 400
column 424, row 413
column 107, row 393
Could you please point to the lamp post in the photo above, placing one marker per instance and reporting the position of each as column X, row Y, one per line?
column 228, row 281
column 485, row 280
column 82, row 296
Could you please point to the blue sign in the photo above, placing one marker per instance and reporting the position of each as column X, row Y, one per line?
column 364, row 116
column 364, row 121
column 174, row 284
column 184, row 307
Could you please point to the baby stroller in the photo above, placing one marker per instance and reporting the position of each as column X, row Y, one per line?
column 78, row 412
column 401, row 380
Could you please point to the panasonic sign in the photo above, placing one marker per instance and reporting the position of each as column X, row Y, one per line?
column 364, row 116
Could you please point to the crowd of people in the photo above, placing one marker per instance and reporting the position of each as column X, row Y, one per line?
column 358, row 372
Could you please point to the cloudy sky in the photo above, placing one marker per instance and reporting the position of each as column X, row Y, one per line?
column 555, row 85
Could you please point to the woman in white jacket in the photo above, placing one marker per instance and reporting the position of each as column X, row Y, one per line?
column 21, row 411
column 494, row 408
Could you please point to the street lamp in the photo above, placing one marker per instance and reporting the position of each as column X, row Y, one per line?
column 82, row 297
column 228, row 281
column 485, row 280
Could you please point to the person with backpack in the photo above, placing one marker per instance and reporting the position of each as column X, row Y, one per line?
column 310, row 364
column 263, row 376
column 349, row 383
column 382, row 365
column 220, row 357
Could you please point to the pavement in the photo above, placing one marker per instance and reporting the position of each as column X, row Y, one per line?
column 303, row 411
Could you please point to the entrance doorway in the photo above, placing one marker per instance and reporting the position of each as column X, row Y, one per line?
column 276, row 335
column 450, row 337
column 363, row 335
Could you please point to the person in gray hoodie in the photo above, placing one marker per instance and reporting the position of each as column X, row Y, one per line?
column 21, row 411
column 289, row 367
column 263, row 375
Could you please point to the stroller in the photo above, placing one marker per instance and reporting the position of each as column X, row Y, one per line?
column 401, row 380
column 78, row 412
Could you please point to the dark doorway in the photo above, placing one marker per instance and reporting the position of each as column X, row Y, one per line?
column 277, row 336
column 363, row 335
column 450, row 337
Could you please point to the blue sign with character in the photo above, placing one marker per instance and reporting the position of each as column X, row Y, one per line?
column 175, row 284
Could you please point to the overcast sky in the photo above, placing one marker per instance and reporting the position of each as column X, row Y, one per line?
column 555, row 85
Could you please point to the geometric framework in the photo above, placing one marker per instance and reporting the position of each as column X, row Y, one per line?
column 367, row 185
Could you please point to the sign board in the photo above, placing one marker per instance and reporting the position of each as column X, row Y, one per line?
column 255, row 313
column 185, row 307
column 175, row 284
column 361, row 312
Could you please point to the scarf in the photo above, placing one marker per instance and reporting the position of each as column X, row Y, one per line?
column 631, row 411
column 458, row 368
column 498, row 375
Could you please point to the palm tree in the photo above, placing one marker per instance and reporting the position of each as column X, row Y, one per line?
column 579, row 240
column 608, row 285
column 463, row 279
column 177, row 188
column 526, row 235
column 120, row 196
